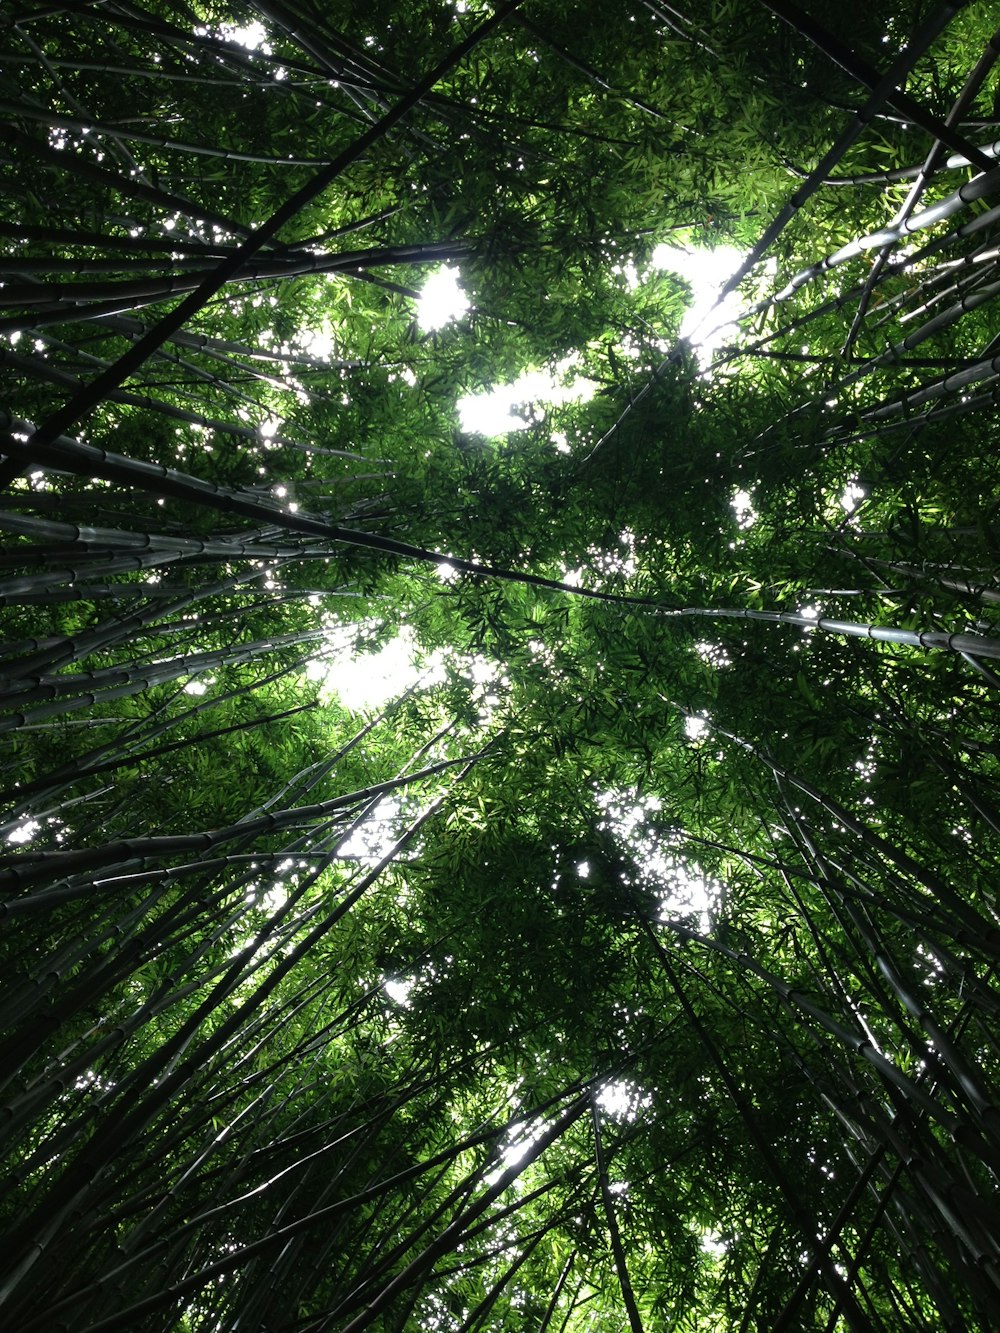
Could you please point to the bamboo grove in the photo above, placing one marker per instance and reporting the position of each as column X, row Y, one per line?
column 634, row 964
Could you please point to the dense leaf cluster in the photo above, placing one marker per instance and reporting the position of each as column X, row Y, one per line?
column 632, row 963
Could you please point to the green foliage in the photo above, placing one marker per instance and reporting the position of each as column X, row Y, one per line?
column 688, row 826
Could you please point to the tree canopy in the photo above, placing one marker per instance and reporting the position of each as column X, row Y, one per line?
column 626, row 957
